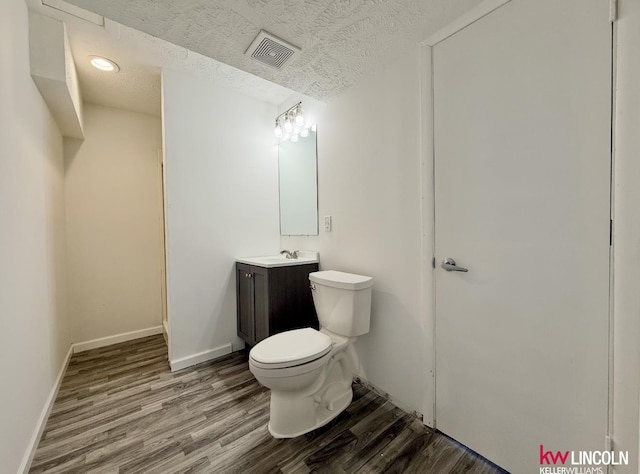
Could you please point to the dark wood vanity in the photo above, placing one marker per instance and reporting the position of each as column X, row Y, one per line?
column 273, row 300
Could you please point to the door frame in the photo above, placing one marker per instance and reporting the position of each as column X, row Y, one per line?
column 626, row 229
column 427, row 185
column 427, row 152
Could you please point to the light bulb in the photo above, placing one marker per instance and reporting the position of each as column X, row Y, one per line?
column 288, row 127
column 104, row 64
column 294, row 138
column 278, row 130
column 304, row 133
column 299, row 117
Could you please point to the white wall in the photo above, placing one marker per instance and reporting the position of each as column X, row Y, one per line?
column 34, row 338
column 626, row 388
column 54, row 72
column 114, row 226
column 221, row 192
column 362, row 111
column 369, row 171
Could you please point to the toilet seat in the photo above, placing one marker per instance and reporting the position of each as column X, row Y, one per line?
column 290, row 349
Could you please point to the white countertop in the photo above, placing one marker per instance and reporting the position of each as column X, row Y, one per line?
column 270, row 261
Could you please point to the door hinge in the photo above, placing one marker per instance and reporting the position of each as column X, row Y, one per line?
column 613, row 10
column 433, row 262
column 610, row 232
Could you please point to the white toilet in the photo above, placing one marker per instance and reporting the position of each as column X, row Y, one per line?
column 310, row 372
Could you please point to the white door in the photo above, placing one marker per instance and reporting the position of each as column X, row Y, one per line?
column 522, row 166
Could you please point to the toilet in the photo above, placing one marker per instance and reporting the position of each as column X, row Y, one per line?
column 310, row 372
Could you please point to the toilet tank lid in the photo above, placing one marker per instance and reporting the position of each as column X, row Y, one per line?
column 335, row 279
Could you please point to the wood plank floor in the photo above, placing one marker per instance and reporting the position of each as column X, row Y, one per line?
column 120, row 410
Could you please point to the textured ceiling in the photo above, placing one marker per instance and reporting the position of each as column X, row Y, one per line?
column 341, row 40
column 141, row 58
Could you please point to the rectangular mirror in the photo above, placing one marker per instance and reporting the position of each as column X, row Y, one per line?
column 298, row 183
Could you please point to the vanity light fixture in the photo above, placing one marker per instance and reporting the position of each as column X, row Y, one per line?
column 104, row 64
column 290, row 123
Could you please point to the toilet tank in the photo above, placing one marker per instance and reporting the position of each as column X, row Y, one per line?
column 342, row 301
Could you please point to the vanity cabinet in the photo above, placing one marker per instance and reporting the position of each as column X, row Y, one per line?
column 273, row 300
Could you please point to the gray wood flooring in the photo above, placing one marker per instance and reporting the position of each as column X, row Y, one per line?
column 120, row 410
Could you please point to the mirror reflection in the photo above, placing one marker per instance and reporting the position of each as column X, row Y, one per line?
column 298, row 181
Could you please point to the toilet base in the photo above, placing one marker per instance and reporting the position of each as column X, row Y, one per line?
column 292, row 417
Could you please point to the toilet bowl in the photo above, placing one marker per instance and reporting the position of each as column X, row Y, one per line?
column 309, row 372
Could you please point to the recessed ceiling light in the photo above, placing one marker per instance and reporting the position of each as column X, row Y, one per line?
column 104, row 64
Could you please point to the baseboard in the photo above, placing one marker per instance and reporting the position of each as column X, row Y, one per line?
column 165, row 331
column 110, row 340
column 194, row 359
column 44, row 416
column 386, row 396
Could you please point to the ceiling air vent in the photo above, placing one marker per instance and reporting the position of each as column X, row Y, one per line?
column 271, row 50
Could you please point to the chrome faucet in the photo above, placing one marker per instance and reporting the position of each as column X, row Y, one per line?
column 289, row 254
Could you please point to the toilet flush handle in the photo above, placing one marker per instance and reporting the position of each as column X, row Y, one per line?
column 312, row 286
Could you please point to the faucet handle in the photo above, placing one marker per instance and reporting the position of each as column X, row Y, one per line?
column 290, row 254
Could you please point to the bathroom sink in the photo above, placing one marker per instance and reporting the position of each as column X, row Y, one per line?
column 270, row 261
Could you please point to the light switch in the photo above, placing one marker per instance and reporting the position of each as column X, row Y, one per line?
column 327, row 223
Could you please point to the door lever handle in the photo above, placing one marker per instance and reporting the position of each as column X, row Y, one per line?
column 449, row 265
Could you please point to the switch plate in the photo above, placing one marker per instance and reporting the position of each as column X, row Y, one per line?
column 327, row 223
